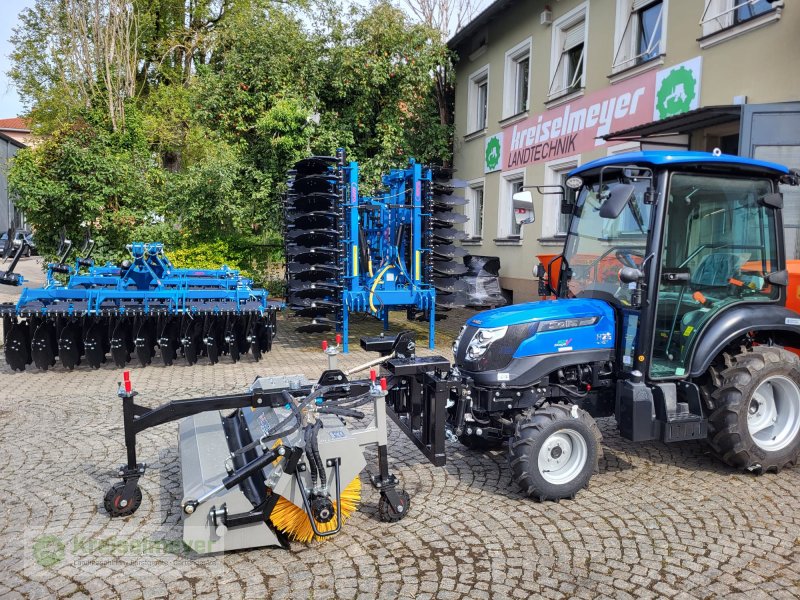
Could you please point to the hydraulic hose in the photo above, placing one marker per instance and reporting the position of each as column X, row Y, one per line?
column 323, row 478
column 312, row 463
column 375, row 285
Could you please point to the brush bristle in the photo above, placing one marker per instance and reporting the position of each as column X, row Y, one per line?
column 294, row 522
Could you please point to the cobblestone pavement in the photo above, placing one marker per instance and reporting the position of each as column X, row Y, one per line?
column 657, row 521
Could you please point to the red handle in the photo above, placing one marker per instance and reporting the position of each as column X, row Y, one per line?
column 338, row 339
column 383, row 383
column 372, row 375
column 126, row 378
column 324, row 344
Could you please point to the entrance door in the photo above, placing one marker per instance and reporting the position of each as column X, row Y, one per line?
column 772, row 132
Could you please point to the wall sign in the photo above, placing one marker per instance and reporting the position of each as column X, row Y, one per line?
column 578, row 126
column 493, row 153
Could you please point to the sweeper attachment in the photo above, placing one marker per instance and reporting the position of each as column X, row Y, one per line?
column 280, row 462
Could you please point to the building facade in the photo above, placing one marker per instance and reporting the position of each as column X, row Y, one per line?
column 9, row 215
column 543, row 86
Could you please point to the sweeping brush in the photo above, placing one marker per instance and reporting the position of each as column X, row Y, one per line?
column 294, row 521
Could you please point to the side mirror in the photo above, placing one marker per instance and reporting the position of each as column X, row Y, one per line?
column 618, row 197
column 630, row 275
column 523, row 208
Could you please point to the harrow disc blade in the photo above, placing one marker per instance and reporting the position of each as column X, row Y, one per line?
column 69, row 345
column 449, row 218
column 450, row 284
column 265, row 338
column 211, row 339
column 446, row 200
column 120, row 336
column 191, row 338
column 313, row 256
column 94, row 345
column 315, row 202
column 315, row 221
column 314, row 165
column 311, row 312
column 253, row 336
column 168, row 341
column 449, row 251
column 44, row 345
column 310, row 237
column 448, row 267
column 18, row 346
column 145, row 341
column 232, row 345
column 448, row 234
column 314, row 184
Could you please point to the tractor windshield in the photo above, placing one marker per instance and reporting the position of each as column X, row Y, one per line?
column 597, row 247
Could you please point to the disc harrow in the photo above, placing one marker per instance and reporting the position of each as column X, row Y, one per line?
column 143, row 308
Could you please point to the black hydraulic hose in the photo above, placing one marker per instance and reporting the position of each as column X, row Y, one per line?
column 341, row 411
column 312, row 463
column 323, row 478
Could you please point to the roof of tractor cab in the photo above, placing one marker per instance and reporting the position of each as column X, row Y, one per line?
column 663, row 158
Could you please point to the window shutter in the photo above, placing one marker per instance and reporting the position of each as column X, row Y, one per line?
column 626, row 51
column 714, row 19
column 574, row 35
column 638, row 5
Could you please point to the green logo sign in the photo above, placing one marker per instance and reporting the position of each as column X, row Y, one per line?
column 677, row 93
column 494, row 152
column 48, row 550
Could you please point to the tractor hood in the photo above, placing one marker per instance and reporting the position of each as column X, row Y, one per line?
column 491, row 340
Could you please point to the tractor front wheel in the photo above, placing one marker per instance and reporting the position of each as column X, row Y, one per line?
column 554, row 451
column 755, row 420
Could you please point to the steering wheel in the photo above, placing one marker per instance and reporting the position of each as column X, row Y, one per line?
column 624, row 256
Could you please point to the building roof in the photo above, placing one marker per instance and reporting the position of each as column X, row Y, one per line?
column 11, row 140
column 15, row 124
column 683, row 157
column 486, row 15
column 687, row 122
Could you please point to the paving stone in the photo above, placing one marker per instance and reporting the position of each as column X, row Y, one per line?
column 656, row 521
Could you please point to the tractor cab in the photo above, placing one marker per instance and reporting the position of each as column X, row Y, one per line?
column 673, row 271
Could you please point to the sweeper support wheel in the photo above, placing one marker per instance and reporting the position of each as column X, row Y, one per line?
column 119, row 503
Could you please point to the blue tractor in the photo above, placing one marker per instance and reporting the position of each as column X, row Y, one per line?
column 668, row 313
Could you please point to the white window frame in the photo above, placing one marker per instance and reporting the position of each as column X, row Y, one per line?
column 513, row 57
column 505, row 212
column 559, row 84
column 623, row 148
column 476, row 80
column 626, row 34
column 718, row 25
column 551, row 209
column 472, row 209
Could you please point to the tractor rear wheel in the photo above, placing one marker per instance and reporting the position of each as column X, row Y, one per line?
column 755, row 419
column 554, row 451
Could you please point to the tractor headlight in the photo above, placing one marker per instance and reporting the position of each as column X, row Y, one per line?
column 556, row 324
column 481, row 341
column 457, row 341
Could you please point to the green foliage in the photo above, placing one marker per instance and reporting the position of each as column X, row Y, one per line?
column 84, row 175
column 230, row 93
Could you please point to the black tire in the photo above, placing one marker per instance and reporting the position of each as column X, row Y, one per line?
column 533, row 431
column 730, row 394
column 114, row 498
column 386, row 511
